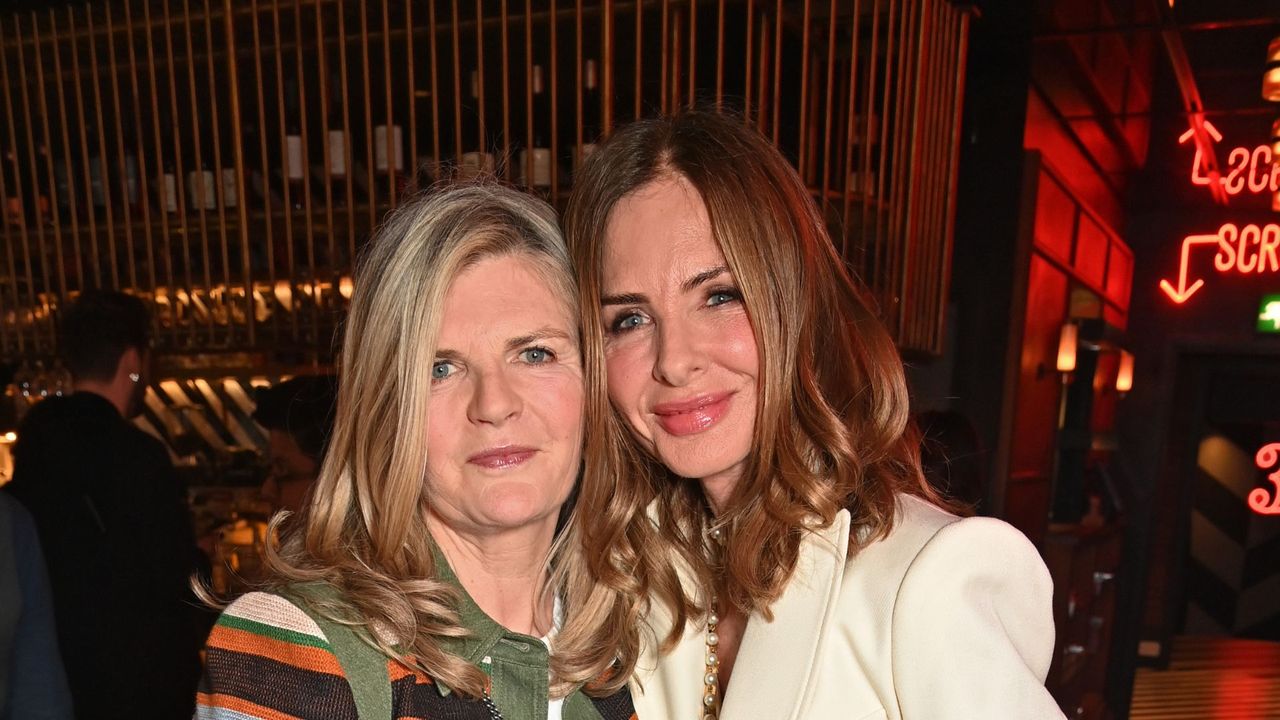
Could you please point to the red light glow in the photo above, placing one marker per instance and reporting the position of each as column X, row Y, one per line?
column 1260, row 501
column 1248, row 250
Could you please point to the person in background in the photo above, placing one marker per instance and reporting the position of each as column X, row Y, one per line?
column 298, row 416
column 33, row 685
column 114, row 523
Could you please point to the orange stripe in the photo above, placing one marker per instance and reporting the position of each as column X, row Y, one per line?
column 397, row 670
column 300, row 656
column 231, row 702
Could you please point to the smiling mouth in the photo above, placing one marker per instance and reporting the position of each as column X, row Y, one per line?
column 690, row 417
column 502, row 457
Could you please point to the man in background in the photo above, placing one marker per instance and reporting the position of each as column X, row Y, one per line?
column 298, row 417
column 114, row 523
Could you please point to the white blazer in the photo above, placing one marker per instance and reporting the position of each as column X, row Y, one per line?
column 945, row 619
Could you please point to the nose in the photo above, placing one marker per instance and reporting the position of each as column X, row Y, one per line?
column 679, row 358
column 494, row 400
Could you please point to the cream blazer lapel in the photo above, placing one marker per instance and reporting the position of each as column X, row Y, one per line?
column 774, row 676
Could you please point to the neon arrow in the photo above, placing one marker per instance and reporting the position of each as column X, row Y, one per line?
column 1183, row 293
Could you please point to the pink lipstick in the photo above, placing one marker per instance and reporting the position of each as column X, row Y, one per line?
column 692, row 416
column 499, row 458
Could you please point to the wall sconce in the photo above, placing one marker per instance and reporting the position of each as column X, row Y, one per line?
column 1068, row 337
column 1271, row 72
column 1124, row 374
column 346, row 287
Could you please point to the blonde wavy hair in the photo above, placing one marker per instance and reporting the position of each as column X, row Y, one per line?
column 831, row 431
column 364, row 530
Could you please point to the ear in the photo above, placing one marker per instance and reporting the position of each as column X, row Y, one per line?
column 130, row 364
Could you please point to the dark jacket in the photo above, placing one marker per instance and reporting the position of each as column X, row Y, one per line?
column 113, row 520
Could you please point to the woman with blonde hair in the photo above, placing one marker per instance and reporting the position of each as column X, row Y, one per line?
column 417, row 582
column 763, row 542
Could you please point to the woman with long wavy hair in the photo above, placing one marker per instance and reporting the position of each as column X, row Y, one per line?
column 763, row 542
column 422, row 578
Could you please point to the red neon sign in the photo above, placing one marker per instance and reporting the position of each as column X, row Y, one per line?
column 1251, row 250
column 1253, row 169
column 1260, row 501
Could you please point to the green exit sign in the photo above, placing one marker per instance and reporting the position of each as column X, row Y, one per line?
column 1269, row 314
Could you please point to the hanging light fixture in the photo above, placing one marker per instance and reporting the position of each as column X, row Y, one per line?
column 1124, row 375
column 1271, row 72
column 1067, row 339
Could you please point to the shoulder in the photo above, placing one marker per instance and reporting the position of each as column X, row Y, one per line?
column 267, row 656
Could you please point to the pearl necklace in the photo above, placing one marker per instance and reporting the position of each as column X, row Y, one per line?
column 711, row 677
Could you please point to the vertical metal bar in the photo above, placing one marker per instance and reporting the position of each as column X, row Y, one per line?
column 677, row 35
column 555, row 112
column 606, row 69
column 884, row 205
column 411, row 163
column 346, row 124
column 219, row 190
column 506, row 90
column 577, row 75
column 693, row 51
column 720, row 55
column 961, row 55
column 639, row 59
column 851, row 115
column 48, row 160
column 802, row 156
column 17, row 192
column 72, row 204
column 864, row 168
column 746, row 66
column 94, row 254
column 290, row 272
column 368, row 117
column 179, row 170
column 35, row 178
column 666, row 55
column 435, row 85
column 326, row 152
column 392, row 156
column 777, row 70
column 102, row 148
column 165, row 237
column 934, row 165
column 242, row 211
column 268, row 212
column 480, row 92
column 124, row 178
column 143, row 186
column 762, row 76
column 830, row 104
column 195, row 117
column 904, row 156
column 307, row 214
column 457, row 84
column 528, row 94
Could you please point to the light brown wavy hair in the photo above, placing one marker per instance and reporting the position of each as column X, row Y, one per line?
column 364, row 529
column 832, row 425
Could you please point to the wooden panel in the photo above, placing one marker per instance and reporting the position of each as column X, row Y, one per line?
column 1039, row 384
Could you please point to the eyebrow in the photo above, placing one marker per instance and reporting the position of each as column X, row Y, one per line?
column 688, row 285
column 515, row 343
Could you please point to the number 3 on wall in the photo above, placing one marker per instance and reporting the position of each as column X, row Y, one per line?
column 1259, row 500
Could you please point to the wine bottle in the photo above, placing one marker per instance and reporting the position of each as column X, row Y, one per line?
column 295, row 157
column 476, row 161
column 535, row 161
column 202, row 193
column 336, row 141
column 590, row 111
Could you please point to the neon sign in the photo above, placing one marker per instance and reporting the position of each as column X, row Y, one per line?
column 1269, row 314
column 1248, row 250
column 1253, row 169
column 1260, row 501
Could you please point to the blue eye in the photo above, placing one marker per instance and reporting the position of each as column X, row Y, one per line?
column 441, row 370
column 627, row 321
column 720, row 297
column 537, row 356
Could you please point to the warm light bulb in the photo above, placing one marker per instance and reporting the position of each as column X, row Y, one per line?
column 1067, row 347
column 284, row 294
column 1124, row 375
column 1271, row 72
column 346, row 286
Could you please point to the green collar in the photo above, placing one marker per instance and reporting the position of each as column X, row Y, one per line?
column 483, row 632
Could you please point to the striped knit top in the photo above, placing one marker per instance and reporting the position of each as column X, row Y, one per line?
column 266, row 658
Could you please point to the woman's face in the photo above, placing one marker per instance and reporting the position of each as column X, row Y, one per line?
column 505, row 422
column 679, row 347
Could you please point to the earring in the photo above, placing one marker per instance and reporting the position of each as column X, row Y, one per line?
column 135, row 377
